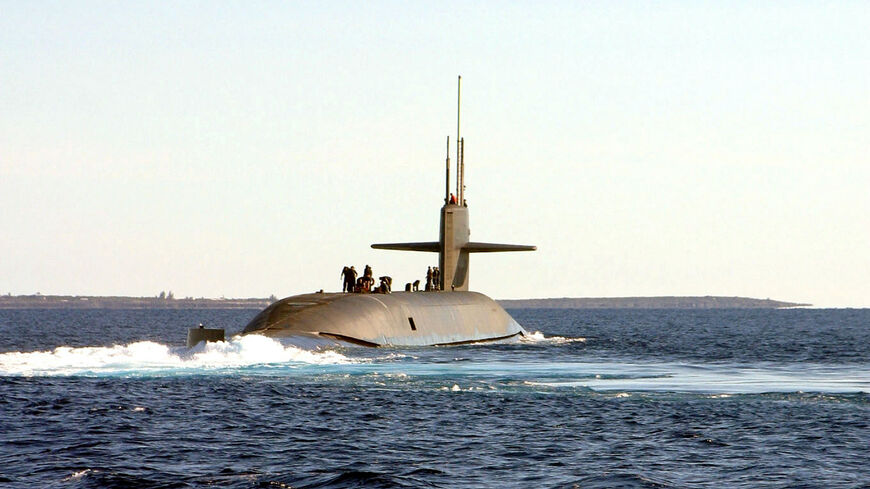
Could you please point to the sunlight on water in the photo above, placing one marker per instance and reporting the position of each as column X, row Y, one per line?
column 719, row 379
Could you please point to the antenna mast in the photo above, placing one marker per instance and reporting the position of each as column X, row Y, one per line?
column 462, row 172
column 447, row 178
column 458, row 149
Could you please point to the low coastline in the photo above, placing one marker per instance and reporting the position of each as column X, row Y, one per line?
column 119, row 302
column 664, row 302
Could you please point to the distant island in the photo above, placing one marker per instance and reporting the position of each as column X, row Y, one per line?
column 706, row 302
column 38, row 301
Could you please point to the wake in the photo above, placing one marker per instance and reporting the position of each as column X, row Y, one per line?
column 538, row 338
column 148, row 357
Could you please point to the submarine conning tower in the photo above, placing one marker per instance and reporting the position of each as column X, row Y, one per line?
column 454, row 245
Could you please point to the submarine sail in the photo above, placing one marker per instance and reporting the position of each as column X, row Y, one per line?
column 449, row 315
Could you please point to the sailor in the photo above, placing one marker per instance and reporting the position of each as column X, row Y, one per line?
column 386, row 284
column 452, row 199
column 364, row 284
column 416, row 286
column 349, row 279
column 436, row 278
column 368, row 272
column 429, row 279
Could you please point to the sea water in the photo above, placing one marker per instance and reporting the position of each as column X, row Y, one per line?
column 593, row 398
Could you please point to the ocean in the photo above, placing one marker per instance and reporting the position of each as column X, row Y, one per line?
column 591, row 399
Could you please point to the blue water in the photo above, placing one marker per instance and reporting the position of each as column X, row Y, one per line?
column 596, row 398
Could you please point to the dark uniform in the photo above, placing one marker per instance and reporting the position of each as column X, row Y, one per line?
column 349, row 279
column 365, row 284
column 386, row 285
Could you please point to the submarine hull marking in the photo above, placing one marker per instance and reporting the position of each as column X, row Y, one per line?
column 348, row 339
column 376, row 319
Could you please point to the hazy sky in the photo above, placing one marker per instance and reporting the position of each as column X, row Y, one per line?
column 244, row 149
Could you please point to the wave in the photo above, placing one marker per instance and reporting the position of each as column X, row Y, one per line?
column 479, row 370
column 150, row 357
column 538, row 338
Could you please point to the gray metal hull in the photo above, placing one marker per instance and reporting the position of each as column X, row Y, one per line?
column 398, row 319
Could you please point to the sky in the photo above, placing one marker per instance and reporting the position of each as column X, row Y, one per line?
column 243, row 149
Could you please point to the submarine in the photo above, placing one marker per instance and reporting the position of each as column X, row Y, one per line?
column 449, row 315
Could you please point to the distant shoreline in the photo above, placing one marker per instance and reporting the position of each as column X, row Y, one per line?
column 705, row 302
column 118, row 302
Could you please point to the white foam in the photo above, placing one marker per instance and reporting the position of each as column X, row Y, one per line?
column 538, row 337
column 77, row 475
column 148, row 356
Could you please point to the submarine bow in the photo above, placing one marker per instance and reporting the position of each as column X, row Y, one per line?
column 398, row 319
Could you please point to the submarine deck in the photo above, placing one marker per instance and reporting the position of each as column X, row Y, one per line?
column 399, row 318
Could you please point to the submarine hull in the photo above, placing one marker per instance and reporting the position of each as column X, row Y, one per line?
column 396, row 319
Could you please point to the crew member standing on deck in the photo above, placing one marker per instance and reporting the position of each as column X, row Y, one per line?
column 386, row 285
column 349, row 279
column 429, row 279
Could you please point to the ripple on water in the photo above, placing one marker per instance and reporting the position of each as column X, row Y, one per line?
column 655, row 399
